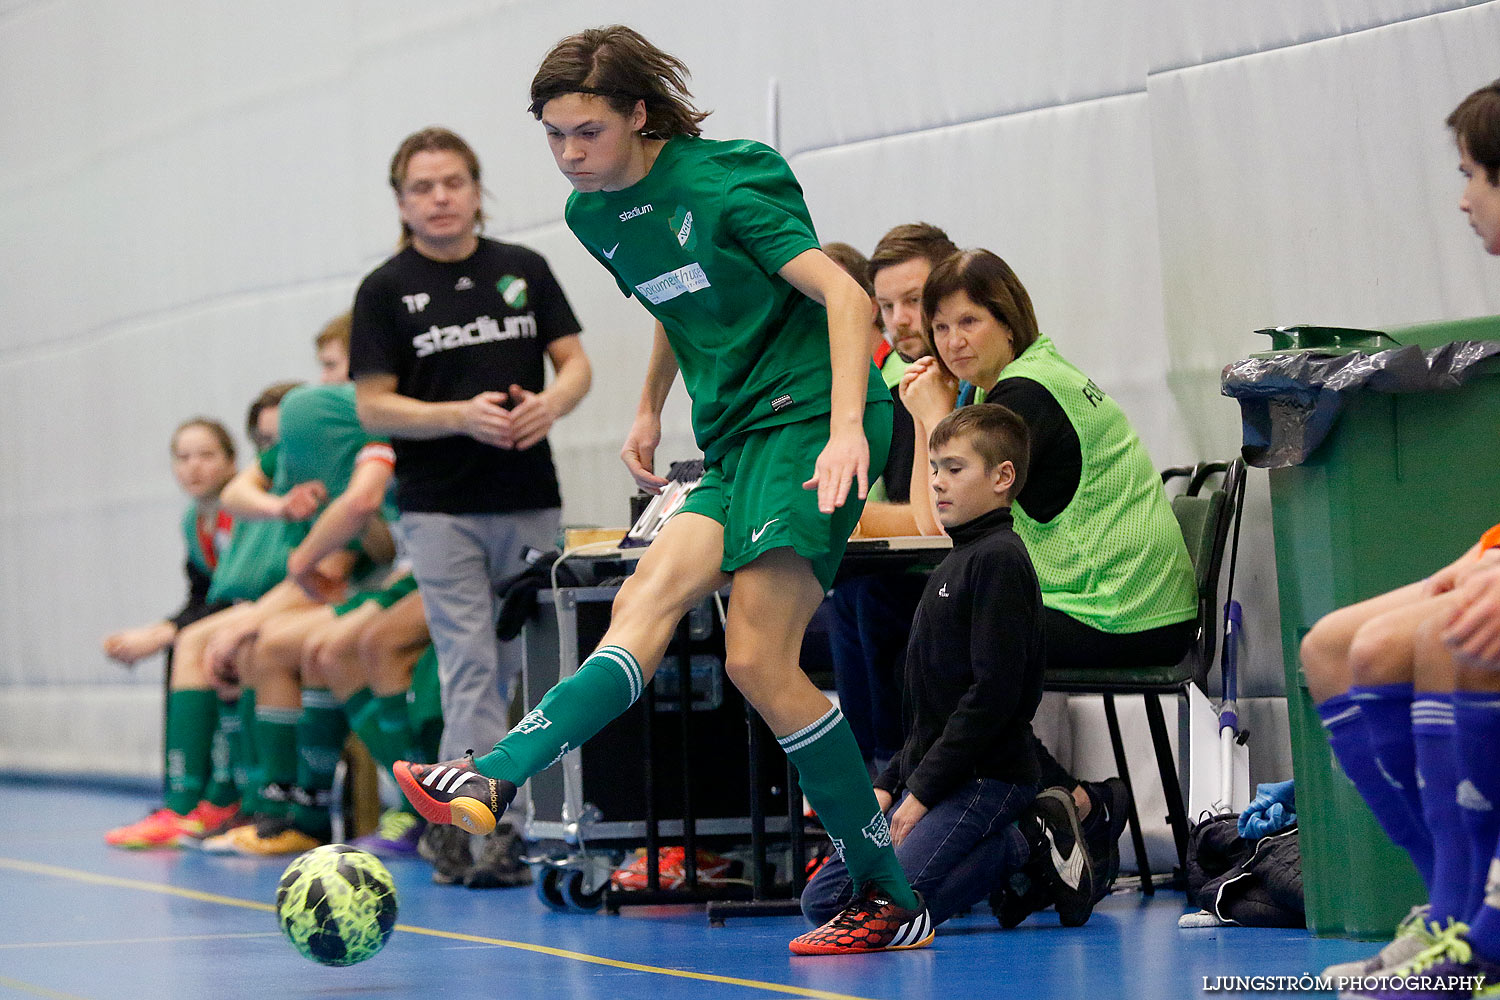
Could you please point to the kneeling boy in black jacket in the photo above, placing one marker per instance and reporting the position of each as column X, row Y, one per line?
column 973, row 680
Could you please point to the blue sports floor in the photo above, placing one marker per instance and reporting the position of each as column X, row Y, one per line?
column 81, row 920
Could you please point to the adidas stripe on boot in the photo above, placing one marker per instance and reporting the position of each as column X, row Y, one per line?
column 871, row 922
column 454, row 793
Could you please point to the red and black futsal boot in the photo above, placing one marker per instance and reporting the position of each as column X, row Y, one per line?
column 871, row 922
column 454, row 793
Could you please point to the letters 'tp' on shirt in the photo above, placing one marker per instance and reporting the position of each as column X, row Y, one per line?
column 699, row 241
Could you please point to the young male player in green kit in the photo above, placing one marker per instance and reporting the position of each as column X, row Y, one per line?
column 299, row 731
column 715, row 240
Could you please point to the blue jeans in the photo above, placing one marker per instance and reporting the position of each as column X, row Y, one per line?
column 955, row 856
column 868, row 626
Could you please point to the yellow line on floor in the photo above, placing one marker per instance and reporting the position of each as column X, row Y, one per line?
column 754, row 984
column 576, row 956
column 130, row 883
column 37, row 991
column 113, row 942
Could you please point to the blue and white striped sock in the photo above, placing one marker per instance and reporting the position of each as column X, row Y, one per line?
column 1453, row 892
column 1349, row 736
column 1476, row 719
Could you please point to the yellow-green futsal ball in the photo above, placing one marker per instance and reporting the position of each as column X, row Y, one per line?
column 337, row 904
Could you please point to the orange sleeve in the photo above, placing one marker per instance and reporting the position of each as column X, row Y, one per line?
column 1489, row 540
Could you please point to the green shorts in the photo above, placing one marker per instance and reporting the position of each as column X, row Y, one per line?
column 755, row 491
column 383, row 596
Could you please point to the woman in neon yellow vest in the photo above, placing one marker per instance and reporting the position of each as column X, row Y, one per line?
column 1116, row 580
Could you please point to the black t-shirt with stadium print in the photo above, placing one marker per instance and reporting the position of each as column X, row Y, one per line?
column 451, row 330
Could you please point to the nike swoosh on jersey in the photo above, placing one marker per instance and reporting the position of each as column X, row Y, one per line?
column 610, row 253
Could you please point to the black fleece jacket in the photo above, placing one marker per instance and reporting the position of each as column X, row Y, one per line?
column 973, row 667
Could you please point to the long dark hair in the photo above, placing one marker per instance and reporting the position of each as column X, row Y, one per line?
column 619, row 65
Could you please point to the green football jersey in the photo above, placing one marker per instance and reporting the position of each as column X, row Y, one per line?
column 195, row 552
column 256, row 559
column 219, row 533
column 321, row 438
column 699, row 241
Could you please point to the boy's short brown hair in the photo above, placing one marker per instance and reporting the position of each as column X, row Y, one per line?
column 336, row 331
column 269, row 397
column 997, row 433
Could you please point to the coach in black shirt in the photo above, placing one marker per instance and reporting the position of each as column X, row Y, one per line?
column 450, row 340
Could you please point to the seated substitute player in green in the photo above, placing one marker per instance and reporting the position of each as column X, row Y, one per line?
column 298, row 733
column 194, row 708
column 715, row 240
column 202, row 462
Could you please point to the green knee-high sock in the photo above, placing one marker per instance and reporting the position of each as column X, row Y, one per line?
column 834, row 779
column 575, row 709
column 424, row 707
column 276, row 753
column 321, row 731
column 221, row 790
column 247, row 773
column 396, row 726
column 356, row 709
column 191, row 717
column 383, row 724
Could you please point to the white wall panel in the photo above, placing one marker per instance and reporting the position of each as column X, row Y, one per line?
column 107, row 729
column 196, row 199
column 905, row 67
column 188, row 190
column 1190, row 34
column 1311, row 184
column 1317, row 184
column 1065, row 196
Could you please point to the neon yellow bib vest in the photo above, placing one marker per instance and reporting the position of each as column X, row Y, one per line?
column 1114, row 558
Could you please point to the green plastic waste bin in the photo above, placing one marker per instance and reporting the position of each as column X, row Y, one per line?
column 1402, row 484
